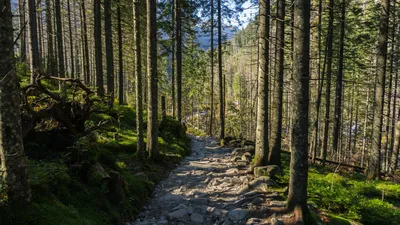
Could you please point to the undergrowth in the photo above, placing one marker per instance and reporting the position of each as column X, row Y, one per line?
column 350, row 196
column 99, row 179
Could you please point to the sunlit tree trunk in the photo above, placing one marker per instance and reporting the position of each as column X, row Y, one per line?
column 262, row 145
column 120, row 59
column 297, row 199
column 33, row 41
column 220, row 76
column 178, row 36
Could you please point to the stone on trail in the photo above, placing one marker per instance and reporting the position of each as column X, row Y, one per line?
column 199, row 201
column 237, row 215
column 263, row 184
column 232, row 171
column 267, row 171
column 179, row 213
column 277, row 204
column 275, row 221
column 171, row 198
column 241, row 163
column 257, row 201
column 197, row 218
column 247, row 157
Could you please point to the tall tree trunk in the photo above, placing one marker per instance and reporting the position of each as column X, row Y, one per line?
column 297, row 199
column 152, row 80
column 12, row 157
column 33, row 41
column 351, row 123
column 86, row 64
column 98, row 48
column 120, row 59
column 262, row 145
column 328, row 81
column 221, row 81
column 276, row 126
column 320, row 84
column 389, row 137
column 173, row 37
column 22, row 27
column 51, row 64
column 109, row 47
column 365, row 129
column 71, row 39
column 212, row 69
column 178, row 33
column 138, row 74
column 374, row 156
column 60, row 49
column 339, row 81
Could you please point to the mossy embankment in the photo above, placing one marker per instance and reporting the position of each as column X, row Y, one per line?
column 95, row 179
column 347, row 197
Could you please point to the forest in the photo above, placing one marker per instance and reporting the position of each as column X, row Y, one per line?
column 192, row 112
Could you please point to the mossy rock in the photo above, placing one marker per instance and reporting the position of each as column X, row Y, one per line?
column 97, row 175
column 272, row 171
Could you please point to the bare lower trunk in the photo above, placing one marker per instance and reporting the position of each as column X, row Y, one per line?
column 152, row 80
column 297, row 199
column 262, row 146
column 13, row 168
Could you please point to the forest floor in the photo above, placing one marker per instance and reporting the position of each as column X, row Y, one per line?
column 209, row 187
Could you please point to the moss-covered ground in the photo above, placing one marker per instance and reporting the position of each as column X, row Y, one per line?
column 98, row 179
column 341, row 197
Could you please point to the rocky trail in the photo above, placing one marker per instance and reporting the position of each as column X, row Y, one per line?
column 211, row 186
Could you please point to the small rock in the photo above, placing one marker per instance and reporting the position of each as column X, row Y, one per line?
column 199, row 201
column 277, row 204
column 247, row 157
column 197, row 218
column 272, row 171
column 263, row 184
column 253, row 221
column 235, row 158
column 232, row 171
column 237, row 215
column 171, row 197
column 241, row 163
column 275, row 221
column 257, row 201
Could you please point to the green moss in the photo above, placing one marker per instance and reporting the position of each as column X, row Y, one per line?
column 62, row 193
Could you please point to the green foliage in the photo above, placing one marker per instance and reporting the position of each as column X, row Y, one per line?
column 62, row 193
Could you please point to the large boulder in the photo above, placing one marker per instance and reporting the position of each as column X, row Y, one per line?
column 272, row 171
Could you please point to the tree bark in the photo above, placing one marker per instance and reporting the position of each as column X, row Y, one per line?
column 60, row 48
column 276, row 126
column 152, row 80
column 33, row 41
column 328, row 81
column 212, row 69
column 109, row 47
column 262, row 145
column 138, row 74
column 297, row 199
column 71, row 39
column 98, row 48
column 178, row 19
column 221, row 81
column 22, row 27
column 173, row 60
column 339, row 81
column 13, row 166
column 120, row 58
column 374, row 156
column 51, row 64
column 86, row 66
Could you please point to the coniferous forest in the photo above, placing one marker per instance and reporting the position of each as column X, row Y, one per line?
column 192, row 112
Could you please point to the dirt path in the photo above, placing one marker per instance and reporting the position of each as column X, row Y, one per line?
column 211, row 187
